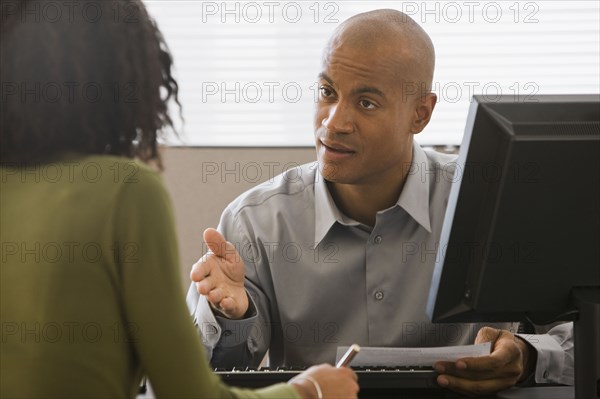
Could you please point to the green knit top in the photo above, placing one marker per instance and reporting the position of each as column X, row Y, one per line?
column 91, row 297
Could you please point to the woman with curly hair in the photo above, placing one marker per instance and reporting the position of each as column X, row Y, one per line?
column 90, row 293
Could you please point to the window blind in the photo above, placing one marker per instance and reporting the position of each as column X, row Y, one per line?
column 247, row 69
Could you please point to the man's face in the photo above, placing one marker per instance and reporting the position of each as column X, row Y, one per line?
column 363, row 116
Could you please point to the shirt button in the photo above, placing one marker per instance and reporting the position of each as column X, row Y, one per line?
column 378, row 239
column 379, row 295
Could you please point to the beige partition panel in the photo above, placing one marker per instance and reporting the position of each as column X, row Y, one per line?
column 202, row 181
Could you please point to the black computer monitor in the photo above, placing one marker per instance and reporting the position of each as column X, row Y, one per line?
column 521, row 235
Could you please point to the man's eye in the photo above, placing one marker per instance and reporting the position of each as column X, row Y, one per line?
column 326, row 91
column 366, row 104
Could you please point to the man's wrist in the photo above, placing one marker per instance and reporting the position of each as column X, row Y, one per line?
column 529, row 358
column 217, row 311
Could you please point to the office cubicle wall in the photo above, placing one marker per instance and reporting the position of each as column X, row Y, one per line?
column 202, row 181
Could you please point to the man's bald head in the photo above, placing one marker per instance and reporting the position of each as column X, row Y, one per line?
column 394, row 34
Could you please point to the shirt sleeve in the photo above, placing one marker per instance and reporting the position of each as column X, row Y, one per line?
column 220, row 331
column 161, row 331
column 555, row 360
column 231, row 343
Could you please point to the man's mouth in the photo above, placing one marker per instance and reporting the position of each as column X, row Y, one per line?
column 337, row 148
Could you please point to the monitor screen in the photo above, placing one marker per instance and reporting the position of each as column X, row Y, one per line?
column 521, row 234
column 522, row 227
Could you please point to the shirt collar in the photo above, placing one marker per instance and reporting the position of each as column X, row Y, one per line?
column 414, row 198
column 326, row 212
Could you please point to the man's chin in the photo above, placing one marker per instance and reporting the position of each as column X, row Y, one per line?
column 334, row 173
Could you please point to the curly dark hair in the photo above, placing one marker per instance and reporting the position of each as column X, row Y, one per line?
column 91, row 77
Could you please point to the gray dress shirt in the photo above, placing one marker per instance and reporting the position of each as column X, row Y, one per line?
column 318, row 279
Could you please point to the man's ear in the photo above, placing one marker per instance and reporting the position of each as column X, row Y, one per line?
column 424, row 109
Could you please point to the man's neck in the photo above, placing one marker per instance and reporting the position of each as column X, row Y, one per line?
column 361, row 202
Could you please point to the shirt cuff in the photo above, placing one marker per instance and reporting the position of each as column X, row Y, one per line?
column 550, row 359
column 204, row 320
column 236, row 332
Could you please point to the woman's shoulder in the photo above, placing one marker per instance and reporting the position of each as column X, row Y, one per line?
column 79, row 167
column 116, row 167
column 107, row 170
column 121, row 174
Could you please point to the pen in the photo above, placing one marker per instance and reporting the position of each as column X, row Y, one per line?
column 348, row 356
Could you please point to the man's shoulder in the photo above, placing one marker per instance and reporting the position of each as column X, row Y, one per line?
column 440, row 160
column 294, row 184
column 440, row 165
column 436, row 170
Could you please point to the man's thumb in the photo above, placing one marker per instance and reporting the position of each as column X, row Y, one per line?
column 217, row 244
column 488, row 334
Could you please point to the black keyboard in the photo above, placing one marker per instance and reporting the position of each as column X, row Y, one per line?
column 375, row 382
column 368, row 377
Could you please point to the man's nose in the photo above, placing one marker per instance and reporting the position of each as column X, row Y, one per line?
column 338, row 119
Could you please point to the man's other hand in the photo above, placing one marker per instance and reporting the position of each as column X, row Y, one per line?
column 511, row 361
column 219, row 275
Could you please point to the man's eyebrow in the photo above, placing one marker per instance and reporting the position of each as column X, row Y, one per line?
column 325, row 77
column 367, row 89
column 356, row 91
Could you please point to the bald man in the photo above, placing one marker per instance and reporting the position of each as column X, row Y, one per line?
column 342, row 251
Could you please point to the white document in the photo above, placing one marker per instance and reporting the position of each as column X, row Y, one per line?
column 394, row 357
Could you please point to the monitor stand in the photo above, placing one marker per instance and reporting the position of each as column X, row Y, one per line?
column 587, row 342
column 587, row 354
column 558, row 392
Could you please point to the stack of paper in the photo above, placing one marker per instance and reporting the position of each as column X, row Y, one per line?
column 394, row 357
